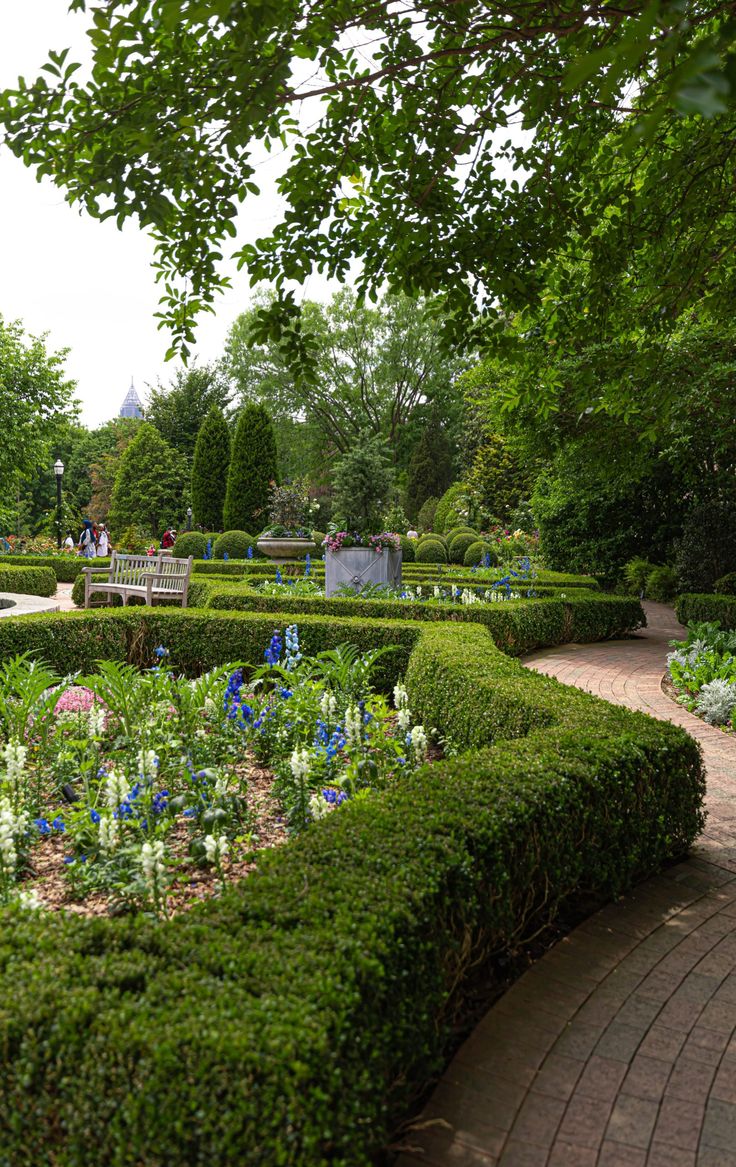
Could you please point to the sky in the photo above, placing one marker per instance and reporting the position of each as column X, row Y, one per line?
column 87, row 284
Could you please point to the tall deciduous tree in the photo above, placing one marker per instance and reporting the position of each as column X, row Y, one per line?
column 35, row 403
column 252, row 468
column 209, row 471
column 375, row 368
column 150, row 486
column 178, row 410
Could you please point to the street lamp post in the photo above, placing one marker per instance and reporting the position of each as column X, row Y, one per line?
column 58, row 471
column 189, row 518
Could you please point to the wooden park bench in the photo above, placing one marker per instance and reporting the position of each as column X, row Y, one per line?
column 159, row 578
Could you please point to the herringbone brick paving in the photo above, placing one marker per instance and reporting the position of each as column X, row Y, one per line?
column 618, row 1047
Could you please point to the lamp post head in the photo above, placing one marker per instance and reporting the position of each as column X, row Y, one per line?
column 189, row 512
column 58, row 467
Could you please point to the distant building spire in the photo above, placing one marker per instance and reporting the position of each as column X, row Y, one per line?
column 132, row 405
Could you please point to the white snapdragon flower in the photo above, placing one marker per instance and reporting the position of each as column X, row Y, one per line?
column 14, row 756
column 353, row 724
column 116, row 788
column 299, row 763
column 419, row 742
column 215, row 848
column 109, row 833
column 8, row 828
column 437, row 593
column 152, row 862
column 328, row 704
column 96, row 720
column 319, row 806
column 221, row 782
column 401, row 697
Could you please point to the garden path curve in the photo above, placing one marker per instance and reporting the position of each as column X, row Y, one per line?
column 618, row 1047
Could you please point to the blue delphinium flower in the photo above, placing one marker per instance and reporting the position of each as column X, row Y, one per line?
column 279, row 577
column 58, row 824
column 94, row 815
column 208, row 550
column 225, row 555
column 160, row 801
column 161, row 651
column 487, row 559
column 273, row 652
column 42, row 826
column 308, row 565
column 249, row 553
column 293, row 655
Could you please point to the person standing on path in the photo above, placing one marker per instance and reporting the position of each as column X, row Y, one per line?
column 87, row 540
column 103, row 542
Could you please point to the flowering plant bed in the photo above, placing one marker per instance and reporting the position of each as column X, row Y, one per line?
column 702, row 673
column 148, row 790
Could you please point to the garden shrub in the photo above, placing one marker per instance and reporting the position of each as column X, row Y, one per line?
column 460, row 531
column 661, row 584
column 190, row 543
column 234, row 544
column 692, row 608
column 287, row 1021
column 253, row 466
column 476, row 554
column 319, row 537
column 459, row 545
column 726, row 585
column 636, row 572
column 408, row 549
column 431, row 551
column 27, row 581
column 433, row 538
column 447, row 514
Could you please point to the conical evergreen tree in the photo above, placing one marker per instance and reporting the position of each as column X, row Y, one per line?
column 209, row 471
column 253, row 467
column 430, row 468
column 150, row 485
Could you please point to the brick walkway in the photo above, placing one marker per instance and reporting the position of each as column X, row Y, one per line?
column 618, row 1048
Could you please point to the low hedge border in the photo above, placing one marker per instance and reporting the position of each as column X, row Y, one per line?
column 693, row 607
column 284, row 1023
column 517, row 626
column 27, row 581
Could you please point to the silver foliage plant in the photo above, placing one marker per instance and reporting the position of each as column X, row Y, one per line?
column 717, row 701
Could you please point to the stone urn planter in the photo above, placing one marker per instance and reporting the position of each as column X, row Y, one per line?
column 361, row 566
column 282, row 550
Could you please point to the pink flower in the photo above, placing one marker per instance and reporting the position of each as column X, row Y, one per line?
column 76, row 699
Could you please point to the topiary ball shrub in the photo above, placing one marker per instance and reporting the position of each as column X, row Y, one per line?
column 190, row 543
column 433, row 538
column 459, row 545
column 477, row 552
column 431, row 551
column 235, row 544
column 408, row 549
column 726, row 585
column 460, row 531
column 319, row 537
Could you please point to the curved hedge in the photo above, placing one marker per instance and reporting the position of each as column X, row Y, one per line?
column 66, row 568
column 284, row 1023
column 27, row 581
column 692, row 607
column 517, row 626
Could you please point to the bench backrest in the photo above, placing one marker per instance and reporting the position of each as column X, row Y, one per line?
column 132, row 570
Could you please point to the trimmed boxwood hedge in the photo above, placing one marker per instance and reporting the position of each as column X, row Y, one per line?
column 27, row 581
column 190, row 543
column 692, row 607
column 284, row 1023
column 66, row 568
column 518, row 626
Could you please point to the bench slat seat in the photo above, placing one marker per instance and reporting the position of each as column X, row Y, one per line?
column 162, row 578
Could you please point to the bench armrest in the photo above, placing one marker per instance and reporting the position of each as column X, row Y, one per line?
column 95, row 571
